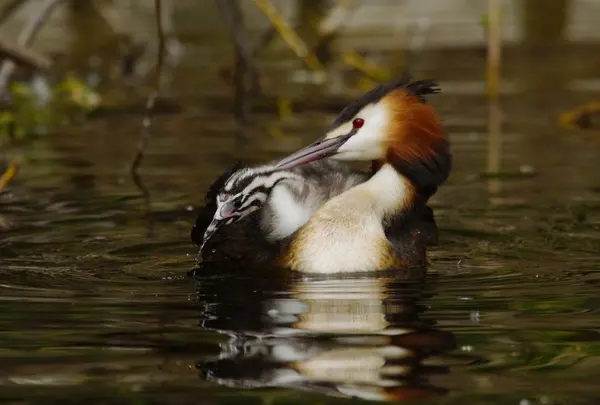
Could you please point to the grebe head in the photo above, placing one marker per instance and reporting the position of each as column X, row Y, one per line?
column 243, row 193
column 391, row 123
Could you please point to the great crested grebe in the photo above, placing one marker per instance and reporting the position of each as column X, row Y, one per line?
column 265, row 205
column 271, row 203
column 375, row 225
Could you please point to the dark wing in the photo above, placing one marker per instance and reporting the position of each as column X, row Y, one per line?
column 428, row 227
column 410, row 234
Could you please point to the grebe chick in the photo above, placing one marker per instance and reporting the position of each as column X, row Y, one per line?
column 274, row 203
column 375, row 225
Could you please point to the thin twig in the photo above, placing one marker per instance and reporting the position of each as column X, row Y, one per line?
column 9, row 174
column 162, row 23
column 494, row 53
column 369, row 69
column 244, row 62
column 331, row 24
column 23, row 55
column 328, row 31
column 288, row 34
column 336, row 18
column 25, row 37
column 494, row 159
column 232, row 15
column 147, row 121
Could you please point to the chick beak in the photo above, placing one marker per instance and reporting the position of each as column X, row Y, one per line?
column 212, row 228
column 225, row 215
column 321, row 149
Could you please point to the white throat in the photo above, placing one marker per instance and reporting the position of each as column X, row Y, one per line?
column 392, row 191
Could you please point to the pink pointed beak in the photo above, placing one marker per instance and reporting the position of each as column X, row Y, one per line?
column 321, row 149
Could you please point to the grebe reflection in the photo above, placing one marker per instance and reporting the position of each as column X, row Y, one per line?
column 351, row 337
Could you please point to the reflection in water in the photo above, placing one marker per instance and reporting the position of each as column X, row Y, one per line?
column 351, row 337
column 494, row 161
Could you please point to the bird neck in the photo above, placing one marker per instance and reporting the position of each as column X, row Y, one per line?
column 418, row 145
column 393, row 193
column 426, row 175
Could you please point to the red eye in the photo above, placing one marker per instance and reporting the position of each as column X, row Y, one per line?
column 358, row 123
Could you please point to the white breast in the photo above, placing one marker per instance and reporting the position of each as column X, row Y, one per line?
column 347, row 234
column 341, row 238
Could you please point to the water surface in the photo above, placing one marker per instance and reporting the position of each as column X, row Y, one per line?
column 96, row 305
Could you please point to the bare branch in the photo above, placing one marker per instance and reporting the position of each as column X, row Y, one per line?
column 25, row 37
column 244, row 62
column 9, row 174
column 494, row 47
column 24, row 56
column 288, row 34
column 161, row 15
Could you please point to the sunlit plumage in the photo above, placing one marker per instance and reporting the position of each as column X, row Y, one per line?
column 375, row 225
column 318, row 216
column 261, row 206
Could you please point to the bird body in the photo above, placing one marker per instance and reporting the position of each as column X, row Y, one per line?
column 377, row 225
column 297, row 194
column 347, row 234
column 318, row 216
column 261, row 206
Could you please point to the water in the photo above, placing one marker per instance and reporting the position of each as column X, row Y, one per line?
column 96, row 305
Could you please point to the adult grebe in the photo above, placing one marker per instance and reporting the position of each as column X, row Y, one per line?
column 375, row 225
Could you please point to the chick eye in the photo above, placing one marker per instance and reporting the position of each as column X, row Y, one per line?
column 358, row 123
column 237, row 204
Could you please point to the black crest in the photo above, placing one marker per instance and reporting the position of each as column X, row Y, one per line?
column 419, row 89
column 206, row 213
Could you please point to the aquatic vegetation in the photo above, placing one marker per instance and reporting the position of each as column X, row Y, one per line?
column 33, row 113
